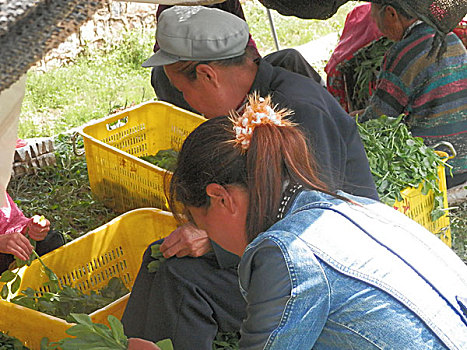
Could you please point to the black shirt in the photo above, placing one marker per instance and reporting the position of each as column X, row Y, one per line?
column 332, row 134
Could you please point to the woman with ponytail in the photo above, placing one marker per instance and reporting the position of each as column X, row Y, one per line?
column 318, row 269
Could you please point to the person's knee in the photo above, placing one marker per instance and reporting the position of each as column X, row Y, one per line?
column 53, row 240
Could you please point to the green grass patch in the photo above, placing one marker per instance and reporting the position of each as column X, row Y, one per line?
column 458, row 217
column 291, row 31
column 92, row 87
column 62, row 193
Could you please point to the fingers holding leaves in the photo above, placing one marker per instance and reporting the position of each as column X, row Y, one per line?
column 16, row 244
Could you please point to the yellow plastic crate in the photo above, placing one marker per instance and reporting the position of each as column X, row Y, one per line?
column 112, row 250
column 418, row 206
column 116, row 175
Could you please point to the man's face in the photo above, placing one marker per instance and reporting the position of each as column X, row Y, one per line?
column 199, row 94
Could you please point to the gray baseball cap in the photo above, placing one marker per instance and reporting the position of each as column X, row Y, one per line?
column 197, row 33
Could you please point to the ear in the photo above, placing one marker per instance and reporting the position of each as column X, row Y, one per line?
column 220, row 197
column 207, row 73
column 391, row 12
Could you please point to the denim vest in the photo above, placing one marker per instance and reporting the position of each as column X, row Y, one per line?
column 371, row 255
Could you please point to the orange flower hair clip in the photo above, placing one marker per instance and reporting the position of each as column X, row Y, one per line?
column 258, row 111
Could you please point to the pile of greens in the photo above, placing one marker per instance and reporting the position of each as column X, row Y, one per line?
column 10, row 343
column 63, row 301
column 60, row 301
column 165, row 159
column 399, row 160
column 89, row 335
column 361, row 72
column 11, row 279
column 226, row 341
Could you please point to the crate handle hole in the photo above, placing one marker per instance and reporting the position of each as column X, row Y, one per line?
column 117, row 124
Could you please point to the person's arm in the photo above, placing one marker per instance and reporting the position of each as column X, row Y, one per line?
column 391, row 96
column 282, row 313
column 338, row 149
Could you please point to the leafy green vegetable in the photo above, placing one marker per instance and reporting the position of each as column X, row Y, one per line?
column 226, row 341
column 153, row 266
column 398, row 160
column 166, row 159
column 361, row 72
column 66, row 300
column 60, row 301
column 10, row 343
column 165, row 344
column 89, row 335
column 12, row 279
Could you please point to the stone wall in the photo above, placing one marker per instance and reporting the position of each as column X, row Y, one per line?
column 32, row 155
column 107, row 25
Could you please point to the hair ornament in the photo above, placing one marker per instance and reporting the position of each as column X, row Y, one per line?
column 258, row 111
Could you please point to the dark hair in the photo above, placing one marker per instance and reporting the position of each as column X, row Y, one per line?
column 275, row 154
column 188, row 68
column 396, row 6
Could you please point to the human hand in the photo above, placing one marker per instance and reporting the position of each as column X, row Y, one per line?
column 17, row 244
column 187, row 240
column 141, row 344
column 38, row 227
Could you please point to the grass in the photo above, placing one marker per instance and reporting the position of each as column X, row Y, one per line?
column 291, row 31
column 61, row 193
column 458, row 217
column 94, row 86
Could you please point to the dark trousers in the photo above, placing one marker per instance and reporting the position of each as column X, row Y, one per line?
column 458, row 179
column 187, row 300
column 289, row 59
column 52, row 241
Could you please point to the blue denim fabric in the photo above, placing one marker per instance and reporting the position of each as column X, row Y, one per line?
column 334, row 275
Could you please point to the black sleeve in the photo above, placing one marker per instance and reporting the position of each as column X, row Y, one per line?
column 336, row 146
column 358, row 178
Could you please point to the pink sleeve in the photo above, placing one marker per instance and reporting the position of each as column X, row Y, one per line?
column 12, row 218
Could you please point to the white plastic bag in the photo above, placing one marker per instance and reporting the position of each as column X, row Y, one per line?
column 10, row 108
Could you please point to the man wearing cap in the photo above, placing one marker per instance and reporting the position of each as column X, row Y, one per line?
column 205, row 55
column 289, row 59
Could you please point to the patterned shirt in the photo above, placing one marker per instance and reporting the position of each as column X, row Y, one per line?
column 432, row 93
